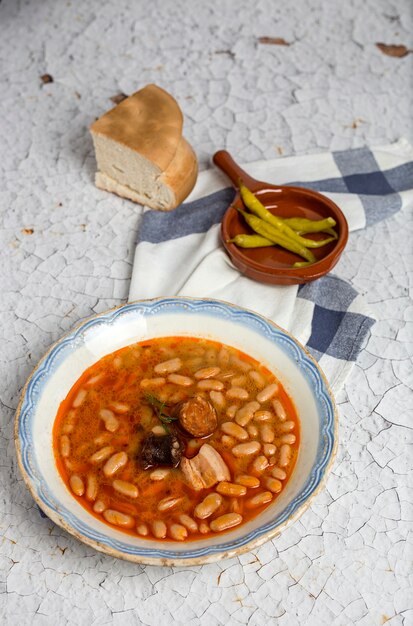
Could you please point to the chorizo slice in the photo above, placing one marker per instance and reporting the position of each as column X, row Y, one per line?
column 197, row 416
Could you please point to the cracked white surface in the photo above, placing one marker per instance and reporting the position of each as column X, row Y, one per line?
column 348, row 560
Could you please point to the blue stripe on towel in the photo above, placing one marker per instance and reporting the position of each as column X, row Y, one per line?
column 329, row 292
column 192, row 217
column 378, row 192
column 334, row 330
column 339, row 334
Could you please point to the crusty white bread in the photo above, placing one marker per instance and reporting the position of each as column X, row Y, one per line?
column 140, row 152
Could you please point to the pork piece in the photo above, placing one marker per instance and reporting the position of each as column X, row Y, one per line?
column 160, row 450
column 205, row 469
column 197, row 416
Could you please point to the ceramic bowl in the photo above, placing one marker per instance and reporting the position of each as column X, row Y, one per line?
column 274, row 264
column 75, row 352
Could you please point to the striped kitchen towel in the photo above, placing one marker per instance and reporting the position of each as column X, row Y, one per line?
column 180, row 254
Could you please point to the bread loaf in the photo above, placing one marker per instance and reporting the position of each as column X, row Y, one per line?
column 141, row 153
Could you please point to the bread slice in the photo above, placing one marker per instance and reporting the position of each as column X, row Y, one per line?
column 140, row 152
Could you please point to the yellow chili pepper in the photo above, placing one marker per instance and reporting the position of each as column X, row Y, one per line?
column 250, row 241
column 303, row 225
column 255, row 206
column 269, row 232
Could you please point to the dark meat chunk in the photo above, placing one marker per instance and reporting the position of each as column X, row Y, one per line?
column 197, row 416
column 160, row 450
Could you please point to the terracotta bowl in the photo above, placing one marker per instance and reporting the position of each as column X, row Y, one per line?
column 274, row 264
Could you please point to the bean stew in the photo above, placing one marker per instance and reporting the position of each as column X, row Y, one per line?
column 176, row 438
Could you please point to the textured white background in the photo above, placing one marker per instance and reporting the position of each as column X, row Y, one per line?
column 348, row 560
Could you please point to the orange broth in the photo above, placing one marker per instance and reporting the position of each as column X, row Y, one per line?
column 79, row 432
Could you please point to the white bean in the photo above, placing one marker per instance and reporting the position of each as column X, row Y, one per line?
column 103, row 438
column 238, row 381
column 181, row 381
column 252, row 430
column 111, row 422
column 246, row 449
column 217, row 399
column 257, row 379
column 76, row 485
column 237, row 393
column 69, row 423
column 210, row 356
column 241, row 365
column 285, row 455
column 273, row 484
column 203, row 528
column 231, row 410
column 99, row 506
column 168, row 503
column 178, row 532
column 152, row 382
column 260, row 463
column 258, row 500
column 168, row 367
column 289, row 438
column 228, row 520
column 208, row 506
column 231, row 489
column 64, row 446
column 207, row 372
column 277, row 472
column 125, row 488
column 159, row 474
column 286, row 426
column 159, row 529
column 228, row 441
column 234, row 430
column 101, row 455
column 118, row 519
column 246, row 413
column 119, row 407
column 158, row 430
column 263, row 416
column 269, row 449
column 142, row 529
column 91, row 487
column 188, row 522
column 267, row 393
column 223, row 357
column 92, row 381
column 80, row 398
column 267, row 433
column 211, row 383
column 115, row 463
column 279, row 410
column 248, row 481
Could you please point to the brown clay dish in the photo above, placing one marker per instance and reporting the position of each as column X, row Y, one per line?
column 274, row 264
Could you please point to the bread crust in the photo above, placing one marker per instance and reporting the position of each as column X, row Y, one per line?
column 182, row 172
column 150, row 122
